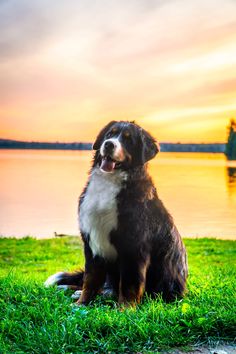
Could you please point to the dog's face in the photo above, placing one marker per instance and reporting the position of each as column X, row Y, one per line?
column 123, row 145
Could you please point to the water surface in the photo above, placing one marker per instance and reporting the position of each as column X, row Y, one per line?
column 39, row 191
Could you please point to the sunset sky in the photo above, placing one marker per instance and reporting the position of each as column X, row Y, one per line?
column 67, row 67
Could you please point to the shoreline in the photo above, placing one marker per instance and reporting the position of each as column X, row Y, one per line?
column 38, row 238
column 86, row 146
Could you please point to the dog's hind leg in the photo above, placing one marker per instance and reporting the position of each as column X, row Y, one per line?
column 167, row 275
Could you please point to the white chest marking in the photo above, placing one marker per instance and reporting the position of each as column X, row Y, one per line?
column 98, row 211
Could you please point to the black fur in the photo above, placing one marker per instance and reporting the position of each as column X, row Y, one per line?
column 151, row 255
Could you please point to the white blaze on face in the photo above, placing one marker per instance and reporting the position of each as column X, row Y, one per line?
column 116, row 155
column 118, row 152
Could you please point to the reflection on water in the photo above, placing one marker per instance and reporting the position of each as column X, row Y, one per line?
column 39, row 191
column 232, row 175
column 231, row 180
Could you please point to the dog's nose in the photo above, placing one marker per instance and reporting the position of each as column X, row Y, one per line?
column 109, row 145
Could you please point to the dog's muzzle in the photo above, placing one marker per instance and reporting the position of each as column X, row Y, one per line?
column 109, row 147
column 112, row 155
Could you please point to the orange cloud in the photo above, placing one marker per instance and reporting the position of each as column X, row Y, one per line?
column 66, row 69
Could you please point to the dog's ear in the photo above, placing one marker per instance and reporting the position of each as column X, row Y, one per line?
column 149, row 146
column 98, row 142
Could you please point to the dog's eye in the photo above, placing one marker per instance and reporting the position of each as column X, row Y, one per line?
column 108, row 135
column 127, row 137
column 112, row 132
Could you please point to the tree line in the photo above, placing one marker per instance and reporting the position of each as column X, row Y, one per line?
column 230, row 150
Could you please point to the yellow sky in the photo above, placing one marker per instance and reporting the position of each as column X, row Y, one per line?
column 69, row 67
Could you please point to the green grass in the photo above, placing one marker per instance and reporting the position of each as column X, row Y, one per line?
column 34, row 319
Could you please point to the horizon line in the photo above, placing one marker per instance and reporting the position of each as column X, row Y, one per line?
column 90, row 142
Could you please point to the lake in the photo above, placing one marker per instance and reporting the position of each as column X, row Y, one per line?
column 39, row 191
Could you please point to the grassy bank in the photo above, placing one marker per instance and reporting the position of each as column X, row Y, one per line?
column 38, row 320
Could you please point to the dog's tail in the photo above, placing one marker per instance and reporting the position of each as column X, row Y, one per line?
column 66, row 280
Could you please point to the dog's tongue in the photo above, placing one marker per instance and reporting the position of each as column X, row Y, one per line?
column 107, row 164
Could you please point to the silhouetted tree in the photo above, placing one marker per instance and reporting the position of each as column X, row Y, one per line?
column 230, row 150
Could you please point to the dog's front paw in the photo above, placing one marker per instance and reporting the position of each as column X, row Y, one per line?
column 76, row 295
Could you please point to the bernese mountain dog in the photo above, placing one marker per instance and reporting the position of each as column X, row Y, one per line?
column 131, row 243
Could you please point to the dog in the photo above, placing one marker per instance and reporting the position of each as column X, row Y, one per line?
column 131, row 243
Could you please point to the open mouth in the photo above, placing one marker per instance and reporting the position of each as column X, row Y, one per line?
column 108, row 164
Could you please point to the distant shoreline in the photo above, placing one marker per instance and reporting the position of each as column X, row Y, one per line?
column 165, row 147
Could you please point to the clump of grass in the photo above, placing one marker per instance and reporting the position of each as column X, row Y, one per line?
column 34, row 319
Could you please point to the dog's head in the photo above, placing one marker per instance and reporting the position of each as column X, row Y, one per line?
column 124, row 145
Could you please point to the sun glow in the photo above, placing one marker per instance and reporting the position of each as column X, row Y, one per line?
column 224, row 56
column 170, row 66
